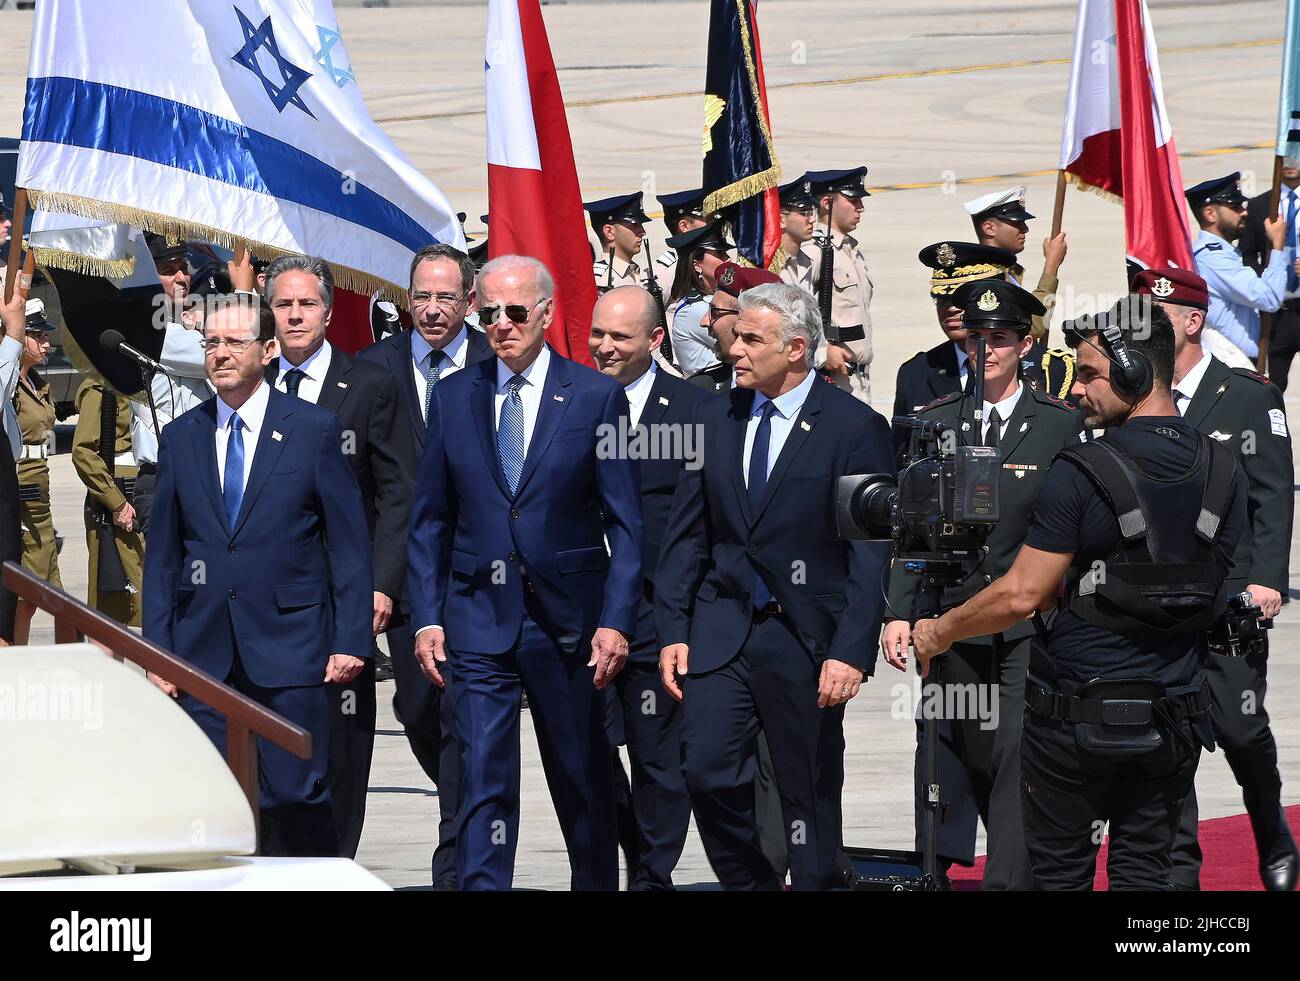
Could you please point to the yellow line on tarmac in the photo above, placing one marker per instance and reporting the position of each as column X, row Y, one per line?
column 849, row 80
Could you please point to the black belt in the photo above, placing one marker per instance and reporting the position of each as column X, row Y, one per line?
column 126, row 485
column 855, row 333
column 1111, row 711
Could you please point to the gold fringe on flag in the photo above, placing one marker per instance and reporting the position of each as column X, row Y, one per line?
column 747, row 187
column 87, row 265
column 176, row 229
column 1083, row 185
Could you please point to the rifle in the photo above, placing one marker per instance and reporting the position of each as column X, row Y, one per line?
column 654, row 289
column 826, row 285
column 609, row 270
column 110, row 573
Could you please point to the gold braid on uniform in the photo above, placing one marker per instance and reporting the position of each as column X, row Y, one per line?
column 747, row 187
column 1066, row 360
column 943, row 282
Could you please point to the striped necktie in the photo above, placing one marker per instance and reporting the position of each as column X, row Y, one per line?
column 431, row 375
column 510, row 434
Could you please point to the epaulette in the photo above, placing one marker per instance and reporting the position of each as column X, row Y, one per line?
column 941, row 400
column 667, row 259
column 1049, row 399
column 600, row 267
column 1212, row 246
column 1253, row 375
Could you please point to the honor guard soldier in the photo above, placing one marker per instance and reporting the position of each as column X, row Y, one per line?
column 1237, row 292
column 703, row 250
column 1145, row 521
column 943, row 370
column 619, row 224
column 36, row 418
column 683, row 211
column 845, row 300
column 798, row 219
column 103, row 459
column 1002, row 220
column 1029, row 429
column 1243, row 412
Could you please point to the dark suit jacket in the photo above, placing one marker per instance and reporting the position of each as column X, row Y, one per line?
column 11, row 537
column 717, row 544
column 291, row 584
column 470, row 537
column 378, row 445
column 1039, row 428
column 394, row 353
column 921, row 379
column 668, row 416
column 1245, row 412
column 1254, row 245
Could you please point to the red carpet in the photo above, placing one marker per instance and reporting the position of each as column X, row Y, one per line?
column 1230, row 863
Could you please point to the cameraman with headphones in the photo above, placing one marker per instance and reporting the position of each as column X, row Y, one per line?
column 1144, row 521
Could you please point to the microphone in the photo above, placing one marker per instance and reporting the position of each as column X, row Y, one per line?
column 112, row 340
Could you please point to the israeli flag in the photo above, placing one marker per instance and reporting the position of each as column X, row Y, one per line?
column 238, row 123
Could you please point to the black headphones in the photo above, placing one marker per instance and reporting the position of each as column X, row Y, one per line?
column 1130, row 372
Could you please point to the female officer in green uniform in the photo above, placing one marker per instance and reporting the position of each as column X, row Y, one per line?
column 36, row 420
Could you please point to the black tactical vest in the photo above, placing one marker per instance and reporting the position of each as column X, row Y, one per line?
column 1167, row 573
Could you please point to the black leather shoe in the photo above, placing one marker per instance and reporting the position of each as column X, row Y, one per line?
column 1280, row 874
column 383, row 667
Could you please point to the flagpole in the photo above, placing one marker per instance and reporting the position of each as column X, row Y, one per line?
column 1266, row 319
column 20, row 217
column 1059, row 205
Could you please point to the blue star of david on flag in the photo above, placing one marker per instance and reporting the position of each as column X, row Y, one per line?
column 325, row 56
column 291, row 76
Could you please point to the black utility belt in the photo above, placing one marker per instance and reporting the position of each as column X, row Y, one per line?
column 1120, row 708
column 855, row 333
column 29, row 492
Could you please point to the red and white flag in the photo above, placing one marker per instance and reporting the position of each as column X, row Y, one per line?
column 534, row 202
column 1117, row 138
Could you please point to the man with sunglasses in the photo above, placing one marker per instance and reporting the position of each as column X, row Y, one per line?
column 258, row 569
column 1237, row 292
column 525, row 576
column 438, row 345
column 378, row 445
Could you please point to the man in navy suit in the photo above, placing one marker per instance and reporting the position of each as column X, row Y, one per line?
column 439, row 345
column 764, row 613
column 512, row 583
column 625, row 330
column 258, row 568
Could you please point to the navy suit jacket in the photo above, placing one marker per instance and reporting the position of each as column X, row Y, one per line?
column 717, row 542
column 672, row 404
column 394, row 353
column 291, row 585
column 470, row 537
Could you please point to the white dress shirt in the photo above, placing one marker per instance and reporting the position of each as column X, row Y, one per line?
column 453, row 358
column 530, row 393
column 1005, row 408
column 783, row 418
column 11, row 358
column 252, row 413
column 314, row 368
column 1185, row 390
column 638, row 394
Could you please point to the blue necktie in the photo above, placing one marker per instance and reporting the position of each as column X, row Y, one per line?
column 232, row 489
column 510, row 435
column 292, row 379
column 431, row 379
column 1292, row 280
column 758, row 484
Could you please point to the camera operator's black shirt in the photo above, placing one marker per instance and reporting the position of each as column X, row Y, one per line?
column 1072, row 517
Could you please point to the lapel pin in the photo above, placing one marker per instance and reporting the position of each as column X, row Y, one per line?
column 804, row 426
column 1024, row 426
column 663, row 399
column 343, row 384
column 276, row 436
column 558, row 398
column 1222, row 388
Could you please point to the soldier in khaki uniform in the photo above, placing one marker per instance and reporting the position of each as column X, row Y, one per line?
column 111, row 491
column 839, row 195
column 683, row 212
column 619, row 224
column 35, row 411
column 798, row 218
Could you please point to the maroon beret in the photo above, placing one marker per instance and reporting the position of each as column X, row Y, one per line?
column 1181, row 286
column 734, row 278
